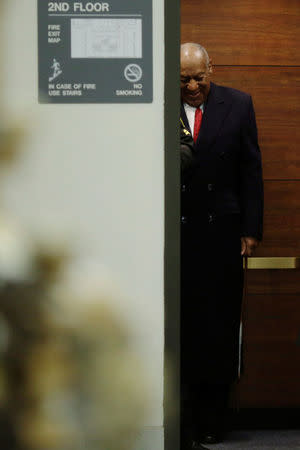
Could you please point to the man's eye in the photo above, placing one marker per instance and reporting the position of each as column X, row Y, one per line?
column 185, row 80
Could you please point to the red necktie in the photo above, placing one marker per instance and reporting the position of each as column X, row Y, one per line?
column 197, row 125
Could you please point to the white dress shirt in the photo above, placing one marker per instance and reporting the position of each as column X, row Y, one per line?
column 190, row 114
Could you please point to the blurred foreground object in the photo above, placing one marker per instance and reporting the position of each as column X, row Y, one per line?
column 69, row 379
column 10, row 137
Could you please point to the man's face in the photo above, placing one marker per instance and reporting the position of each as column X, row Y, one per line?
column 194, row 78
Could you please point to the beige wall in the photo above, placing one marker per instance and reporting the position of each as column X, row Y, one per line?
column 98, row 172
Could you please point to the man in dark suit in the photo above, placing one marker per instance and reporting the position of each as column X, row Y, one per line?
column 222, row 211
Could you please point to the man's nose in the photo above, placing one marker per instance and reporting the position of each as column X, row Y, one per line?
column 192, row 85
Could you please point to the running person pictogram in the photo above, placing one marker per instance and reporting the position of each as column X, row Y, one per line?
column 56, row 70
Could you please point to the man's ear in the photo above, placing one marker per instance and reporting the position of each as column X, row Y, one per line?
column 210, row 67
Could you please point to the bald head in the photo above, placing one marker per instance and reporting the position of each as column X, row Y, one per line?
column 195, row 73
column 194, row 51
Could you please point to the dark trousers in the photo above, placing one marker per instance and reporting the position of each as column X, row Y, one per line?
column 203, row 407
column 211, row 295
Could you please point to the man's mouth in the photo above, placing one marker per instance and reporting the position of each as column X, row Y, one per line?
column 196, row 94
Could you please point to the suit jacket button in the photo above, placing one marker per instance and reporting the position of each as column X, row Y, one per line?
column 210, row 218
column 183, row 220
column 183, row 188
column 210, row 187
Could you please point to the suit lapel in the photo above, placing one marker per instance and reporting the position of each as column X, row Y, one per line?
column 215, row 112
column 184, row 118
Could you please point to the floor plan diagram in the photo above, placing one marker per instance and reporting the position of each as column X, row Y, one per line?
column 106, row 38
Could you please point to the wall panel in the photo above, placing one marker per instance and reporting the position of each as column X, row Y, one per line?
column 281, row 219
column 275, row 92
column 272, row 352
column 274, row 282
column 250, row 32
column 94, row 174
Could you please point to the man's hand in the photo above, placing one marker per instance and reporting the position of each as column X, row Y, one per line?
column 248, row 245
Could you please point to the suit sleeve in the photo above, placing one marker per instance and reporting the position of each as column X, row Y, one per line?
column 251, row 180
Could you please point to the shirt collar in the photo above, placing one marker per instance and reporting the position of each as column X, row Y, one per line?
column 188, row 107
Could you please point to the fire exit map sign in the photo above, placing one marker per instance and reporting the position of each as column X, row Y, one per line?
column 95, row 52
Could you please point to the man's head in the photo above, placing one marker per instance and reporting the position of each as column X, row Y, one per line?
column 195, row 72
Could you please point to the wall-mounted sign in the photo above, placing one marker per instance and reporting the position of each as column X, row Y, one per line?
column 95, row 52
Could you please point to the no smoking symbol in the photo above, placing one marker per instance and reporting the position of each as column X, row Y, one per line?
column 133, row 73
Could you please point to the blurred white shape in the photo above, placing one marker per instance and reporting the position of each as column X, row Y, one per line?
column 16, row 253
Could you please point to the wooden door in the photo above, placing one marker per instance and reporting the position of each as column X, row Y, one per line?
column 255, row 46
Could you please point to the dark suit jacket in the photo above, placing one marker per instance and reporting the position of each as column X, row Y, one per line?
column 186, row 149
column 226, row 177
